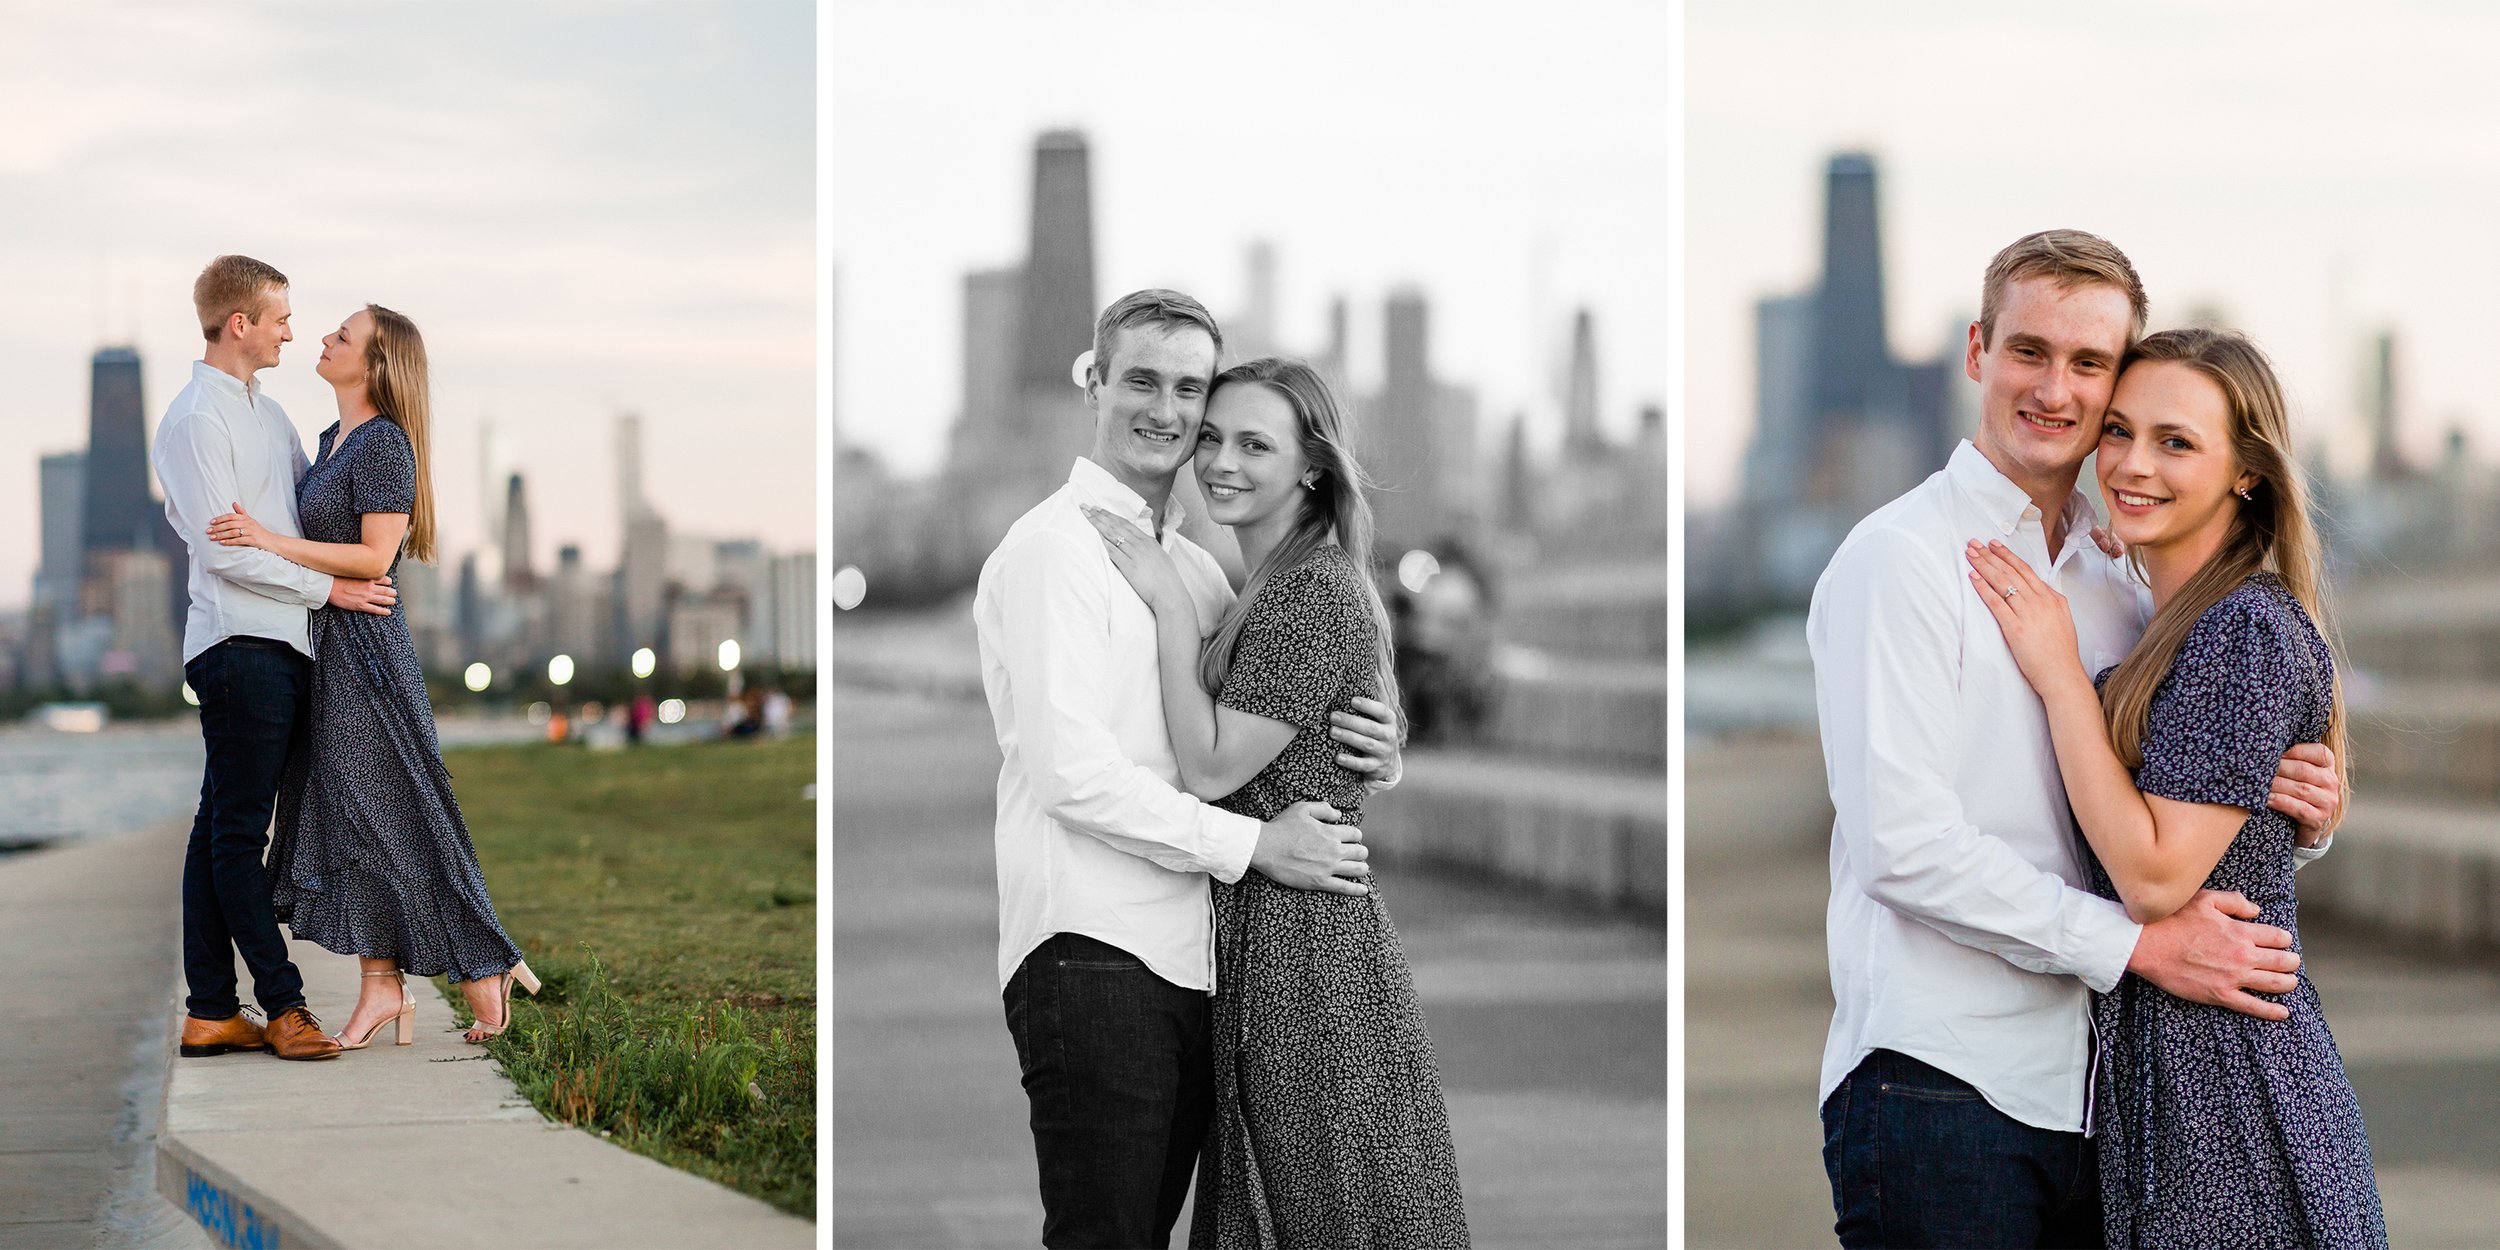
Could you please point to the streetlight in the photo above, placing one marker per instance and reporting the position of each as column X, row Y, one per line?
column 729, row 665
column 560, row 670
column 478, row 677
column 646, row 662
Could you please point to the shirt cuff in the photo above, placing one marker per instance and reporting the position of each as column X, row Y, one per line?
column 2104, row 941
column 2303, row 856
column 1230, row 838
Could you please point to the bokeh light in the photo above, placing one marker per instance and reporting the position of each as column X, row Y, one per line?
column 850, row 586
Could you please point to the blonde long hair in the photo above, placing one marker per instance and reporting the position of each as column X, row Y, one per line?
column 1333, row 506
column 396, row 382
column 2272, row 531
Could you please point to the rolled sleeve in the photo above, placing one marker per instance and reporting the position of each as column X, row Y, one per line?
column 195, row 465
column 1886, row 638
column 1053, row 603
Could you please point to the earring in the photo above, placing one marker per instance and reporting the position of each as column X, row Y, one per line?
column 2242, row 492
column 1309, row 481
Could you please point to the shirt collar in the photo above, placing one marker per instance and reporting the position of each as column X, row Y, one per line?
column 225, row 383
column 1095, row 485
column 2003, row 501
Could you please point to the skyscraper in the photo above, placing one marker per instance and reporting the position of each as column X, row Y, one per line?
column 1582, row 440
column 1851, row 351
column 62, row 483
column 2387, row 460
column 1252, row 334
column 1400, row 446
column 993, row 302
column 1057, row 318
column 629, row 500
column 116, row 509
column 518, row 577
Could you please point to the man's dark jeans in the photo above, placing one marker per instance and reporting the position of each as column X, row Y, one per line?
column 252, row 694
column 1918, row 1158
column 1117, row 1067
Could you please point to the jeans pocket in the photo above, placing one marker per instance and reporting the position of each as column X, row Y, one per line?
column 1926, row 1093
column 1095, row 964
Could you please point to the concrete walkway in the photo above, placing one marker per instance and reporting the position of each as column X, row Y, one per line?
column 107, row 1139
column 418, row 1145
column 92, row 934
column 2420, row 1034
column 1550, row 1022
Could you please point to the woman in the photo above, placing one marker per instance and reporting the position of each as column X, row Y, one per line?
column 2216, row 1128
column 371, row 858
column 1329, row 1124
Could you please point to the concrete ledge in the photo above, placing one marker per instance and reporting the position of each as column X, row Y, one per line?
column 1582, row 711
column 416, row 1145
column 2424, row 872
column 2429, row 740
column 1596, row 834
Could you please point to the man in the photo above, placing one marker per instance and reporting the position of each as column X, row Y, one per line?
column 1106, row 929
column 1962, row 946
column 246, row 651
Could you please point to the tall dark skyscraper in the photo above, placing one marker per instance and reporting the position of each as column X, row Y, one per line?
column 116, row 512
column 1582, row 440
column 518, row 577
column 1403, row 448
column 2387, row 460
column 1852, row 355
column 1057, row 320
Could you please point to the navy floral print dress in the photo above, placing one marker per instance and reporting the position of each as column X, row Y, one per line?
column 2217, row 1128
column 371, row 857
column 1329, row 1124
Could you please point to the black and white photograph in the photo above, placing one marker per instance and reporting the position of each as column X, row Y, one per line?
column 1249, row 655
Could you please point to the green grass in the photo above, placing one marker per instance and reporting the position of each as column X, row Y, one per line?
column 667, row 898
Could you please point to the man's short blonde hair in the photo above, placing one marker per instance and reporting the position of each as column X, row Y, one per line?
column 230, row 285
column 2069, row 258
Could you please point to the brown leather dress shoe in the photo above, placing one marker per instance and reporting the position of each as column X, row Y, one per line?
column 215, row 1037
column 294, row 1034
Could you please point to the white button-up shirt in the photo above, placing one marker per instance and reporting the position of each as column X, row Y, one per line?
column 222, row 443
column 1960, row 932
column 1094, row 835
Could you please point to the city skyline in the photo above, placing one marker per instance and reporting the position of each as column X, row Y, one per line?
column 588, row 215
column 1445, row 186
column 2313, row 220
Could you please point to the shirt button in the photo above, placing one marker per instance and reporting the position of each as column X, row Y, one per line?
column 2008, row 527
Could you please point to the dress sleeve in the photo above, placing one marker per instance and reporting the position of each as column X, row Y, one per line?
column 384, row 477
column 1296, row 648
column 2225, row 714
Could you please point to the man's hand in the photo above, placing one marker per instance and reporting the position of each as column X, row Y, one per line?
column 1304, row 848
column 2210, row 951
column 2305, row 790
column 2108, row 542
column 1369, row 731
column 351, row 595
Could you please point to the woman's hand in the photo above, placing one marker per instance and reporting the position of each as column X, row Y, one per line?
column 238, row 529
column 2039, row 628
column 1140, row 559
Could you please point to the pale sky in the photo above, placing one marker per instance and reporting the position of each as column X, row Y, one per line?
column 2314, row 172
column 587, row 208
column 1373, row 144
